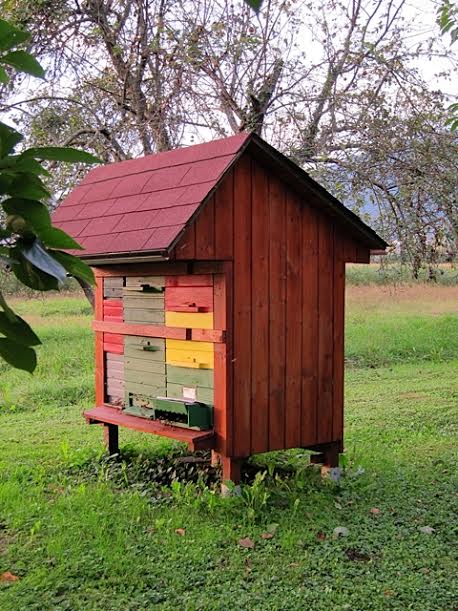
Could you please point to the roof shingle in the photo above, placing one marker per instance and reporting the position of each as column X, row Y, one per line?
column 142, row 205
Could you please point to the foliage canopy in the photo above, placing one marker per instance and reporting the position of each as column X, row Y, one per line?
column 29, row 244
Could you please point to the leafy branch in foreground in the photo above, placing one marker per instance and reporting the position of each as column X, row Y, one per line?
column 29, row 244
column 447, row 19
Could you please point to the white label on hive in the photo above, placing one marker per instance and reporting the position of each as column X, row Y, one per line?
column 189, row 393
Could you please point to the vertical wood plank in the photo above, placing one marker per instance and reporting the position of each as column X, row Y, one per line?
column 339, row 340
column 205, row 231
column 99, row 355
column 111, row 438
column 309, row 325
column 242, row 309
column 229, row 286
column 325, row 329
column 186, row 247
column 220, row 367
column 349, row 249
column 293, row 322
column 260, row 312
column 277, row 313
column 224, row 218
column 363, row 254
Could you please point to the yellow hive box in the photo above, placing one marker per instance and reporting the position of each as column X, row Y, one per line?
column 194, row 320
column 183, row 353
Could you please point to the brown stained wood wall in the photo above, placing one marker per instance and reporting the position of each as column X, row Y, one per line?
column 287, row 293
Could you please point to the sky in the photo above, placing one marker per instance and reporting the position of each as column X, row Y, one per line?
column 423, row 14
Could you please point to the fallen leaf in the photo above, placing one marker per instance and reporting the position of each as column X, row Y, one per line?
column 246, row 542
column 375, row 511
column 426, row 530
column 7, row 576
column 340, row 531
column 267, row 536
column 389, row 593
column 294, row 564
column 320, row 535
column 425, row 571
column 180, row 531
column 272, row 528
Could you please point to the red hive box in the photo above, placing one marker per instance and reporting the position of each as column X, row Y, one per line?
column 220, row 298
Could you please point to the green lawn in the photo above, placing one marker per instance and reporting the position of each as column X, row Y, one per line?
column 82, row 532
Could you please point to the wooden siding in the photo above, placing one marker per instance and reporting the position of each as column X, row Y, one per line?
column 279, row 300
column 286, row 334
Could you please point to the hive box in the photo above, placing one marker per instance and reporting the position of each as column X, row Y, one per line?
column 220, row 298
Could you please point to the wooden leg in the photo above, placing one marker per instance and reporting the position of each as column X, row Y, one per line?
column 111, row 438
column 331, row 455
column 231, row 469
column 328, row 455
column 215, row 459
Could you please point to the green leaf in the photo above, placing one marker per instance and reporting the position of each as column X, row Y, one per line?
column 75, row 266
column 56, row 238
column 33, row 211
column 9, row 137
column 31, row 276
column 28, row 164
column 254, row 4
column 17, row 355
column 24, row 62
column 28, row 186
column 10, row 36
column 57, row 153
column 37, row 217
column 40, row 258
column 18, row 330
column 4, row 78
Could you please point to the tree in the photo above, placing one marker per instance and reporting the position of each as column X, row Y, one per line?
column 330, row 84
column 29, row 245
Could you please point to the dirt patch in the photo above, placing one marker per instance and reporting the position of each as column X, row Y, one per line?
column 413, row 395
column 416, row 299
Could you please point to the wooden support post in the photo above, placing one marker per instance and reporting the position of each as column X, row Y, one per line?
column 327, row 454
column 231, row 469
column 215, row 459
column 111, row 438
column 331, row 455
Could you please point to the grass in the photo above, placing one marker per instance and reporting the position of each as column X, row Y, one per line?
column 81, row 531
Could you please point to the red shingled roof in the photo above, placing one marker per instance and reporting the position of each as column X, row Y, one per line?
column 142, row 205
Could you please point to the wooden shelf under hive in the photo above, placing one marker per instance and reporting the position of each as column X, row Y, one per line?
column 196, row 440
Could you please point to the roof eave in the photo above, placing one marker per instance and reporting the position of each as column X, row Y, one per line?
column 125, row 257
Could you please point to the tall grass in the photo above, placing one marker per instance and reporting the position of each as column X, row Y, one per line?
column 80, row 531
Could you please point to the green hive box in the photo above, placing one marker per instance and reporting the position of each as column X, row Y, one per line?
column 190, row 415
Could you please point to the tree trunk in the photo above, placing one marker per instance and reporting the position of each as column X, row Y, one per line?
column 88, row 291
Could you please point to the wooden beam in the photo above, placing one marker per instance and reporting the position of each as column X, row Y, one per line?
column 216, row 336
column 141, row 269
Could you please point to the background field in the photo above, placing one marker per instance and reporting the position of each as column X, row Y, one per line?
column 84, row 532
